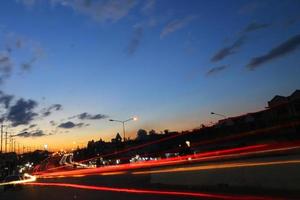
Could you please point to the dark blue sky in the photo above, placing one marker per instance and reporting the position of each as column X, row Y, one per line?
column 168, row 62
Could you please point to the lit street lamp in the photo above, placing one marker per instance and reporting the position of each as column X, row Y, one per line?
column 213, row 113
column 123, row 123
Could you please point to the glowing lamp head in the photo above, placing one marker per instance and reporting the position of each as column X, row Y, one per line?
column 135, row 118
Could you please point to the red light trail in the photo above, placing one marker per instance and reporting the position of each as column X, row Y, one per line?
column 230, row 137
column 125, row 150
column 162, row 162
column 155, row 192
column 189, row 159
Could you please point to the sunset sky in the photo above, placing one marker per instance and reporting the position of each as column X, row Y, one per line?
column 68, row 66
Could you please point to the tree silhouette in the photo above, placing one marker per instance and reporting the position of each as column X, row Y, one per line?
column 141, row 134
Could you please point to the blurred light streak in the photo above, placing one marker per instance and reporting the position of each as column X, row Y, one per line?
column 219, row 166
column 155, row 192
column 126, row 150
column 155, row 163
column 29, row 179
column 112, row 173
column 189, row 159
column 77, row 176
column 230, row 137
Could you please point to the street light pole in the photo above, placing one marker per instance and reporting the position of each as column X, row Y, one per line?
column 123, row 131
column 123, row 124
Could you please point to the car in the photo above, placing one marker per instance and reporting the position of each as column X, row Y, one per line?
column 12, row 186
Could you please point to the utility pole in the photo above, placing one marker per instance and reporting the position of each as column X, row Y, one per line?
column 14, row 145
column 6, row 142
column 11, row 143
column 1, row 138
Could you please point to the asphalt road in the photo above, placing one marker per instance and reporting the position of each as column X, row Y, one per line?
column 143, row 182
column 129, row 181
column 66, row 193
column 57, row 193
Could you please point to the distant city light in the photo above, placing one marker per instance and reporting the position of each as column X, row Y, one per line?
column 188, row 143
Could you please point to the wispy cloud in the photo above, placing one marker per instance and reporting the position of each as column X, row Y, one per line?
column 228, row 50
column 6, row 66
column 175, row 25
column 5, row 99
column 148, row 6
column 13, row 49
column 250, row 7
column 216, row 70
column 37, row 53
column 47, row 111
column 291, row 21
column 281, row 50
column 135, row 40
column 254, row 26
column 87, row 116
column 102, row 10
column 28, row 3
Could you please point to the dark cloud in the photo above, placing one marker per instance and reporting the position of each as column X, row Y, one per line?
column 69, row 125
column 26, row 66
column 22, row 112
column 86, row 116
column 135, row 40
column 176, row 25
column 55, row 107
column 281, row 50
column 36, row 133
column 23, row 134
column 229, row 50
column 32, row 126
column 46, row 113
column 53, row 123
column 5, row 99
column 216, row 70
column 255, row 26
